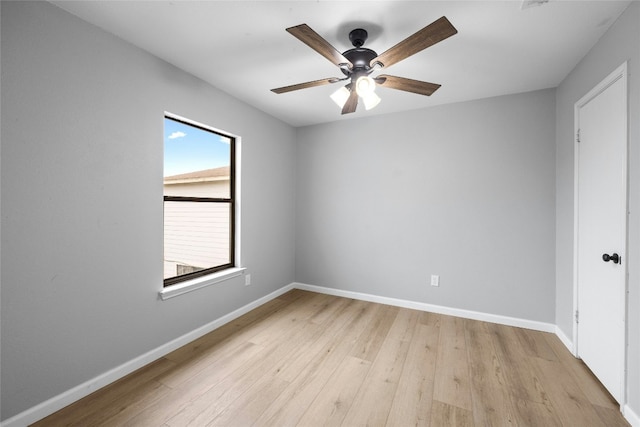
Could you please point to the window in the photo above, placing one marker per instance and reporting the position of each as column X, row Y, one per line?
column 199, row 200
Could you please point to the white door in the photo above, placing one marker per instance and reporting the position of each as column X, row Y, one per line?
column 601, row 119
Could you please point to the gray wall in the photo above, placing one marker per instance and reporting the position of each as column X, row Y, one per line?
column 620, row 43
column 465, row 191
column 82, row 141
column 480, row 193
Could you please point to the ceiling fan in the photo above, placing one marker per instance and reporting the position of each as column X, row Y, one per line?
column 358, row 63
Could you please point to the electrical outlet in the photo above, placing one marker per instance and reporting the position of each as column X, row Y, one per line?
column 247, row 279
column 435, row 280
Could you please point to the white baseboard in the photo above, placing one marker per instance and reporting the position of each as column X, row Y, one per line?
column 630, row 416
column 565, row 340
column 467, row 314
column 58, row 402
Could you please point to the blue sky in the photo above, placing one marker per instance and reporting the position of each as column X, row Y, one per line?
column 189, row 149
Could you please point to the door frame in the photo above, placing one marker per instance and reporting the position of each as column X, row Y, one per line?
column 619, row 73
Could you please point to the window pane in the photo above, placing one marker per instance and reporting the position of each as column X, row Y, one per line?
column 196, row 161
column 196, row 236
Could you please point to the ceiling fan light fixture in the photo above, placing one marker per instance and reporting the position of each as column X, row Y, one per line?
column 357, row 63
column 340, row 96
column 370, row 100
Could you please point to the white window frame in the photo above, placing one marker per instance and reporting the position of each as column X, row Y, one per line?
column 191, row 285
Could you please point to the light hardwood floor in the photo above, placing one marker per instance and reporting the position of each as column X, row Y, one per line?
column 310, row 359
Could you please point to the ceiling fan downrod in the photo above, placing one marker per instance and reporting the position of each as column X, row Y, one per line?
column 358, row 36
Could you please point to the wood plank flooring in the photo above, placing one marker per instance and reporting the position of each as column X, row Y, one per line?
column 307, row 359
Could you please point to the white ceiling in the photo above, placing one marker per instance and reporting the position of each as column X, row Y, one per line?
column 242, row 47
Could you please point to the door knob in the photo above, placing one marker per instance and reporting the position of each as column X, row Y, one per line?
column 615, row 258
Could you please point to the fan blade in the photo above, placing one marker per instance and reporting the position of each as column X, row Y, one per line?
column 352, row 102
column 428, row 36
column 305, row 34
column 409, row 85
column 299, row 86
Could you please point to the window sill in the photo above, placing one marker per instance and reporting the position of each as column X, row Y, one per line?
column 200, row 282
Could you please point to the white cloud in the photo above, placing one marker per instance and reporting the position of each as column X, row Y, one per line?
column 225, row 140
column 178, row 134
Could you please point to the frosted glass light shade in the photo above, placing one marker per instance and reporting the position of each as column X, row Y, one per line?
column 340, row 96
column 365, row 85
column 370, row 100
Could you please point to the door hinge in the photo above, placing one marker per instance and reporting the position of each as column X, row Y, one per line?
column 578, row 136
column 577, row 317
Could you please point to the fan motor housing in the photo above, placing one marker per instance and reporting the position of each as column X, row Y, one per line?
column 360, row 57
